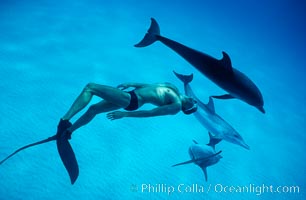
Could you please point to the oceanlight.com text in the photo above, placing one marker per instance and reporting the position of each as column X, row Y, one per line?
column 256, row 189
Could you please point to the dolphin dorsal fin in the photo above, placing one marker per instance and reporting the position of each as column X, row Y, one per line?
column 211, row 105
column 226, row 62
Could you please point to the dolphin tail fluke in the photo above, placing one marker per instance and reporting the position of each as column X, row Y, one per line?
column 204, row 169
column 151, row 35
column 27, row 146
column 184, row 78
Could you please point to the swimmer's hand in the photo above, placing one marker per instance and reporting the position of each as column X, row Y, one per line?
column 116, row 115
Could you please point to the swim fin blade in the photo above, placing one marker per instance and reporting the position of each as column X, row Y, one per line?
column 64, row 149
column 68, row 158
column 28, row 146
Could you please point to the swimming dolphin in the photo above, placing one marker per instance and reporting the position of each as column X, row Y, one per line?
column 207, row 116
column 64, row 149
column 221, row 72
column 203, row 156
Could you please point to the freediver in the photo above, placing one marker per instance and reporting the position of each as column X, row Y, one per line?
column 165, row 96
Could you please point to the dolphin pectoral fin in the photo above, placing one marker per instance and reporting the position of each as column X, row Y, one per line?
column 226, row 62
column 29, row 145
column 183, row 163
column 150, row 37
column 196, row 160
column 68, row 158
column 225, row 96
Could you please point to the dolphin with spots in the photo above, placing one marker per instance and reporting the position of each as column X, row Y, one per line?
column 208, row 117
column 203, row 155
column 221, row 72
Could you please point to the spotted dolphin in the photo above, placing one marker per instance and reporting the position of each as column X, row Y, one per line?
column 203, row 155
column 207, row 116
column 221, row 72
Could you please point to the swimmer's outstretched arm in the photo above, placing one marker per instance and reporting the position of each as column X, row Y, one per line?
column 170, row 109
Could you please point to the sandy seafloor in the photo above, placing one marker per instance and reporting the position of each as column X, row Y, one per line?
column 49, row 50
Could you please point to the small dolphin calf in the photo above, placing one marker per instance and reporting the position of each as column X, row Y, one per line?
column 221, row 72
column 209, row 119
column 203, row 155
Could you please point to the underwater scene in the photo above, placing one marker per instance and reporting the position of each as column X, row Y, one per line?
column 165, row 99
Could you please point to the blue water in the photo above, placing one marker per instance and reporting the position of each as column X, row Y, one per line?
column 49, row 50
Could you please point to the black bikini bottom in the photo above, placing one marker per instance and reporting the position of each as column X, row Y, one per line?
column 133, row 103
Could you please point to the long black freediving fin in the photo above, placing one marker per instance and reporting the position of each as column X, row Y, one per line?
column 29, row 145
column 68, row 158
column 64, row 149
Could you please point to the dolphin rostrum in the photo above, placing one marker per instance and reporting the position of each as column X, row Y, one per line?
column 207, row 116
column 221, row 72
column 203, row 156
